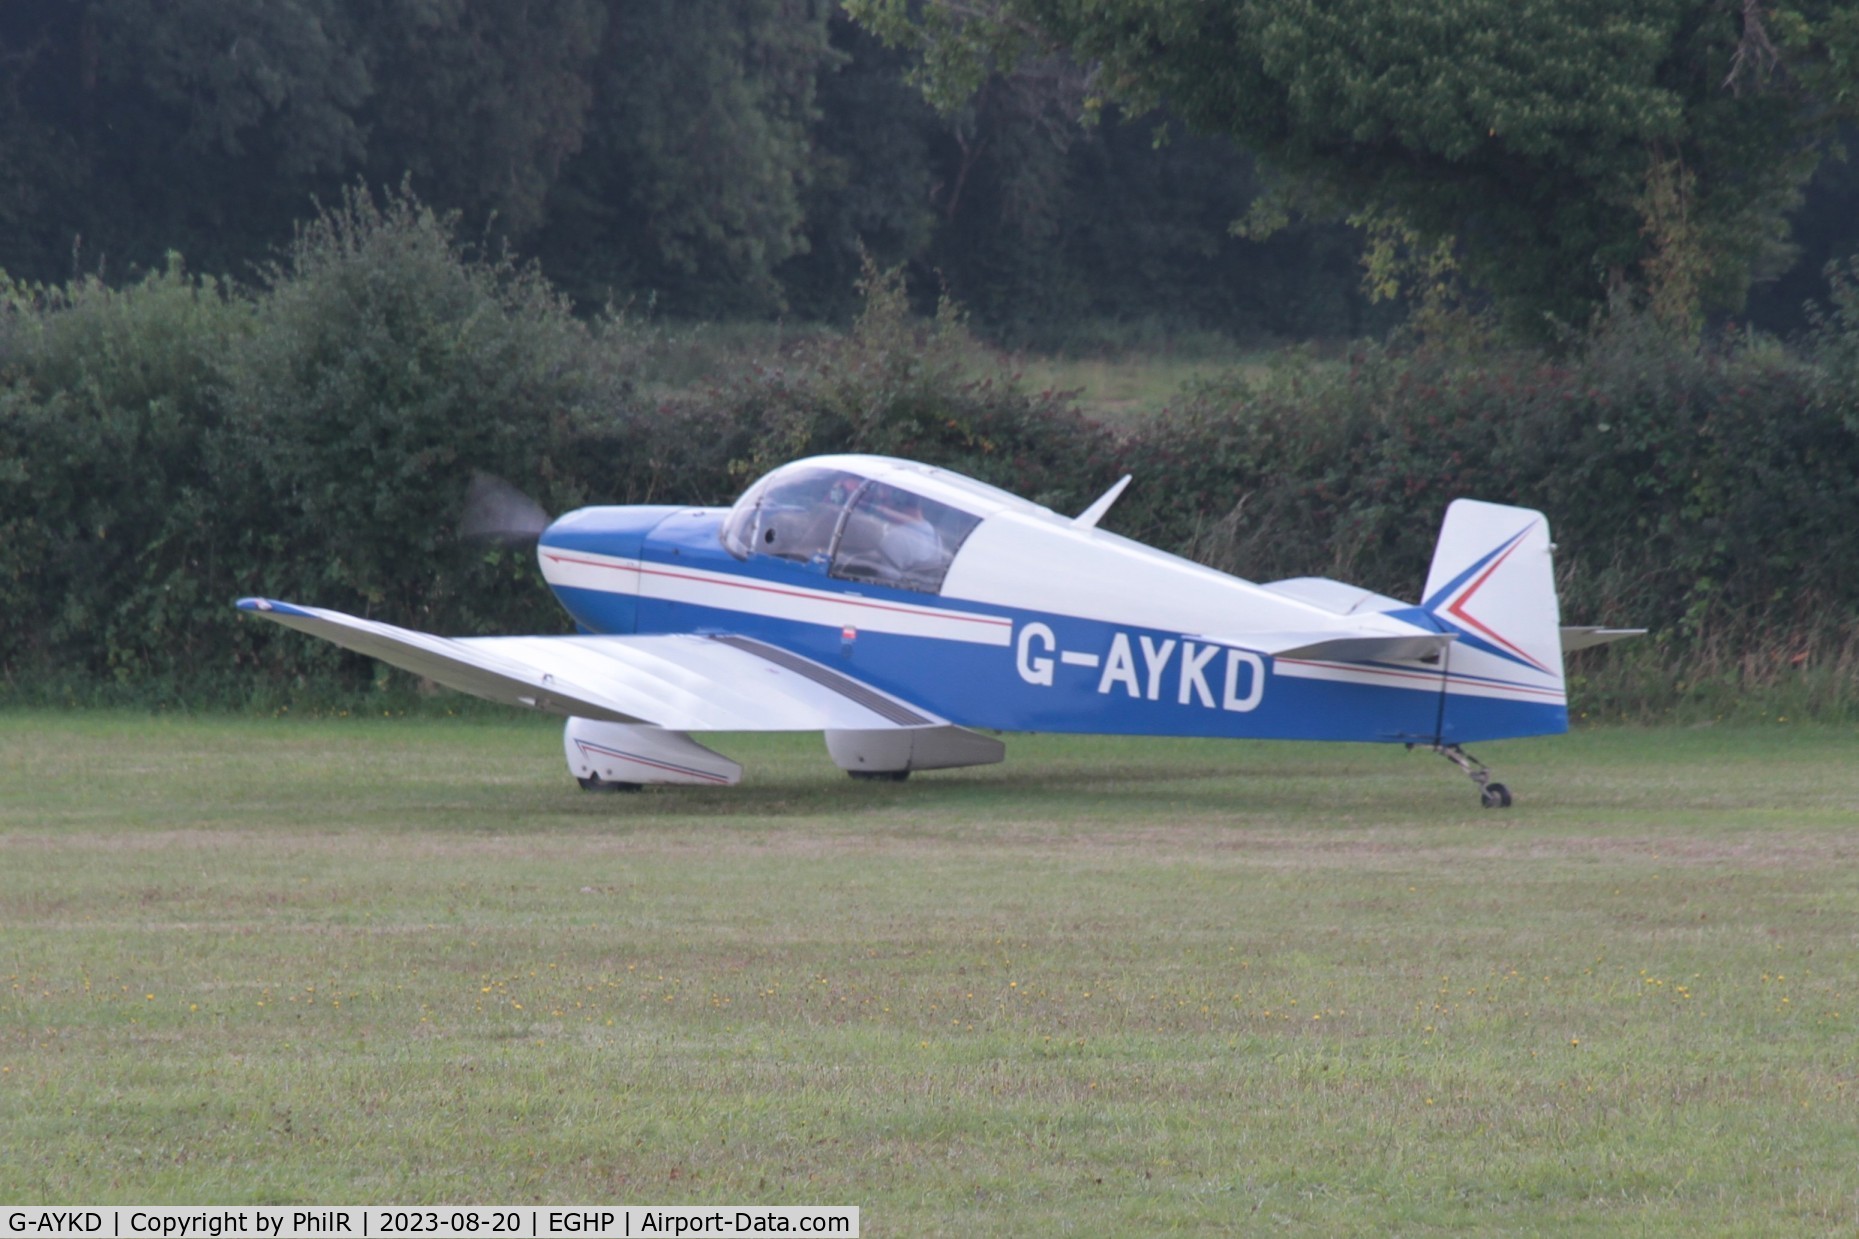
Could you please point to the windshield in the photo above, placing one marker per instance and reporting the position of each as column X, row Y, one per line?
column 894, row 536
column 852, row 527
column 790, row 514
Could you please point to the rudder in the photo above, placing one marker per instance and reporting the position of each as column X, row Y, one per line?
column 1493, row 585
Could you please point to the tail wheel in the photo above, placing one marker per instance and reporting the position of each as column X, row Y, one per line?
column 1490, row 794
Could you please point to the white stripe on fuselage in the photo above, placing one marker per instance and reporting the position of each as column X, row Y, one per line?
column 728, row 592
column 724, row 591
column 1416, row 677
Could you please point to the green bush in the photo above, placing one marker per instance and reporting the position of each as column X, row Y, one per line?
column 386, row 365
column 897, row 386
column 113, row 540
column 175, row 444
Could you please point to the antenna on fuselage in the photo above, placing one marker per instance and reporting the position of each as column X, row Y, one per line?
column 1088, row 518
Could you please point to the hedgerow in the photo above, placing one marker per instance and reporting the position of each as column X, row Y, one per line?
column 1711, row 494
column 173, row 444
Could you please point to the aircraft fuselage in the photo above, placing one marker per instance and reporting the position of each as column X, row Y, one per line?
column 1128, row 640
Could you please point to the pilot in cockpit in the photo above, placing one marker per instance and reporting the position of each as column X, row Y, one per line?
column 843, row 487
column 910, row 542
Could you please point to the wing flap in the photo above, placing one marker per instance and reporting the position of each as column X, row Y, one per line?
column 680, row 682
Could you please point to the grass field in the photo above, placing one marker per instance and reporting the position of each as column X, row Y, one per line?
column 1107, row 988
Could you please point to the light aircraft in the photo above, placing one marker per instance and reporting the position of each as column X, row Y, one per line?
column 904, row 610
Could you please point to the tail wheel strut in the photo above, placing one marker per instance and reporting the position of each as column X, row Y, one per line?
column 1491, row 795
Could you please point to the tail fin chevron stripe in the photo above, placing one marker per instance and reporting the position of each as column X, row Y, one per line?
column 1493, row 584
column 1452, row 603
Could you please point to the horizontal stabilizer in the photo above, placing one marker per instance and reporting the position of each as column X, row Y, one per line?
column 1587, row 638
column 1346, row 646
column 679, row 682
column 1421, row 647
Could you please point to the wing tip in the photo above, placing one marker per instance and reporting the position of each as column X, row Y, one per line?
column 271, row 606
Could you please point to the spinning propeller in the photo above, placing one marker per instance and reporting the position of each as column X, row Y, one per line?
column 496, row 511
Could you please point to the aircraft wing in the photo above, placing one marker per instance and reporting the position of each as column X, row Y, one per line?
column 678, row 682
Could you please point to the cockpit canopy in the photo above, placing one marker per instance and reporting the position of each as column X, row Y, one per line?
column 854, row 518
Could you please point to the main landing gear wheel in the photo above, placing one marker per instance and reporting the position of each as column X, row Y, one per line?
column 1491, row 795
column 880, row 776
column 594, row 783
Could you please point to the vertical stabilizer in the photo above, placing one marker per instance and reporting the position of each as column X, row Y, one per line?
column 1493, row 585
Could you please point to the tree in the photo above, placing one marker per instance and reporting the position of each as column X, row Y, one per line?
column 211, row 126
column 1825, row 230
column 1566, row 145
column 871, row 176
column 690, row 184
column 219, row 120
column 42, row 167
column 132, row 127
column 481, row 103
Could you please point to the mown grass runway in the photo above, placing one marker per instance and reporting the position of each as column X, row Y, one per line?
column 1109, row 987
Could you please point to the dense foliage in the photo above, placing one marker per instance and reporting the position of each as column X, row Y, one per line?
column 1711, row 494
column 1564, row 146
column 171, row 445
column 705, row 158
column 729, row 158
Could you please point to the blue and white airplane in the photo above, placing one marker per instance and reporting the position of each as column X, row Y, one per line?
column 903, row 610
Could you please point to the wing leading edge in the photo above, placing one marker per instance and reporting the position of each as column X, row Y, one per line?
column 680, row 682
